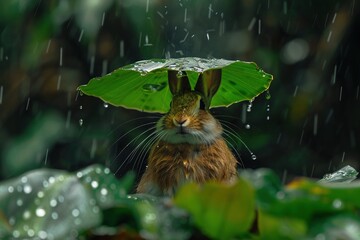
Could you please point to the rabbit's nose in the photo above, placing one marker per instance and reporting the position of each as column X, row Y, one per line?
column 181, row 122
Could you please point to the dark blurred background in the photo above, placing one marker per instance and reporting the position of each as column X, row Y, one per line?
column 308, row 127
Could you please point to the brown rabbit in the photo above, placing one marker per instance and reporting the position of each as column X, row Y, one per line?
column 190, row 147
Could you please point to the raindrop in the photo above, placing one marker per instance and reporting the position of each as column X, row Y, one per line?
column 104, row 67
column 27, row 189
column 343, row 157
column 333, row 77
column 106, row 105
column 267, row 95
column 285, row 7
column 340, row 94
column 61, row 57
column 329, row 36
column 259, row 29
column 185, row 15
column 122, row 48
column 207, row 36
column 92, row 64
column 93, row 148
column 58, row 83
column 68, row 118
column 46, row 156
column 210, row 11
column 48, row 46
column 296, row 90
column 81, row 35
column 79, row 174
column 247, row 126
column 103, row 19
column 1, row 94
column 94, row 184
column 106, row 170
column 75, row 212
column 315, row 130
column 249, row 106
column 253, row 156
column 27, row 104
column 40, row 212
column 252, row 24
column 81, row 121
column 150, row 88
column 81, row 107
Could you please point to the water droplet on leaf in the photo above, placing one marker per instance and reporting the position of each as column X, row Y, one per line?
column 267, row 95
column 151, row 88
column 40, row 212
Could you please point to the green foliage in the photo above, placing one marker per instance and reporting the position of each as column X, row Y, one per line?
column 53, row 204
column 143, row 85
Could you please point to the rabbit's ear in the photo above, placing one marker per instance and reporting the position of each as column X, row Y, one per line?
column 178, row 82
column 207, row 85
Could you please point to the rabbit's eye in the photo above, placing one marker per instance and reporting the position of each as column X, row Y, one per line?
column 202, row 104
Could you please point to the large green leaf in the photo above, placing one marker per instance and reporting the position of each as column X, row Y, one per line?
column 220, row 211
column 144, row 85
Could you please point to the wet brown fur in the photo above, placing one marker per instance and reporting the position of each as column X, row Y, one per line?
column 170, row 165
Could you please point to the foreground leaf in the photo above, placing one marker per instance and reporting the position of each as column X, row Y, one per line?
column 53, row 204
column 144, row 85
column 219, row 211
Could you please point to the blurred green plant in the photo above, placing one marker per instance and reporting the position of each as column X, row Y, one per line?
column 92, row 203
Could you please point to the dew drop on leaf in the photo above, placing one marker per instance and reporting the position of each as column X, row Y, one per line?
column 27, row 189
column 40, row 212
column 19, row 202
column 151, row 88
column 75, row 212
column 94, row 184
column 10, row 189
column 53, row 202
column 104, row 191
column 26, row 215
column 54, row 215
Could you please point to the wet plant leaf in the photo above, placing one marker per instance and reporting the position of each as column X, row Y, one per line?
column 51, row 204
column 219, row 211
column 144, row 85
column 345, row 174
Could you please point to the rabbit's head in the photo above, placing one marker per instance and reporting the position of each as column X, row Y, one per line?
column 189, row 120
